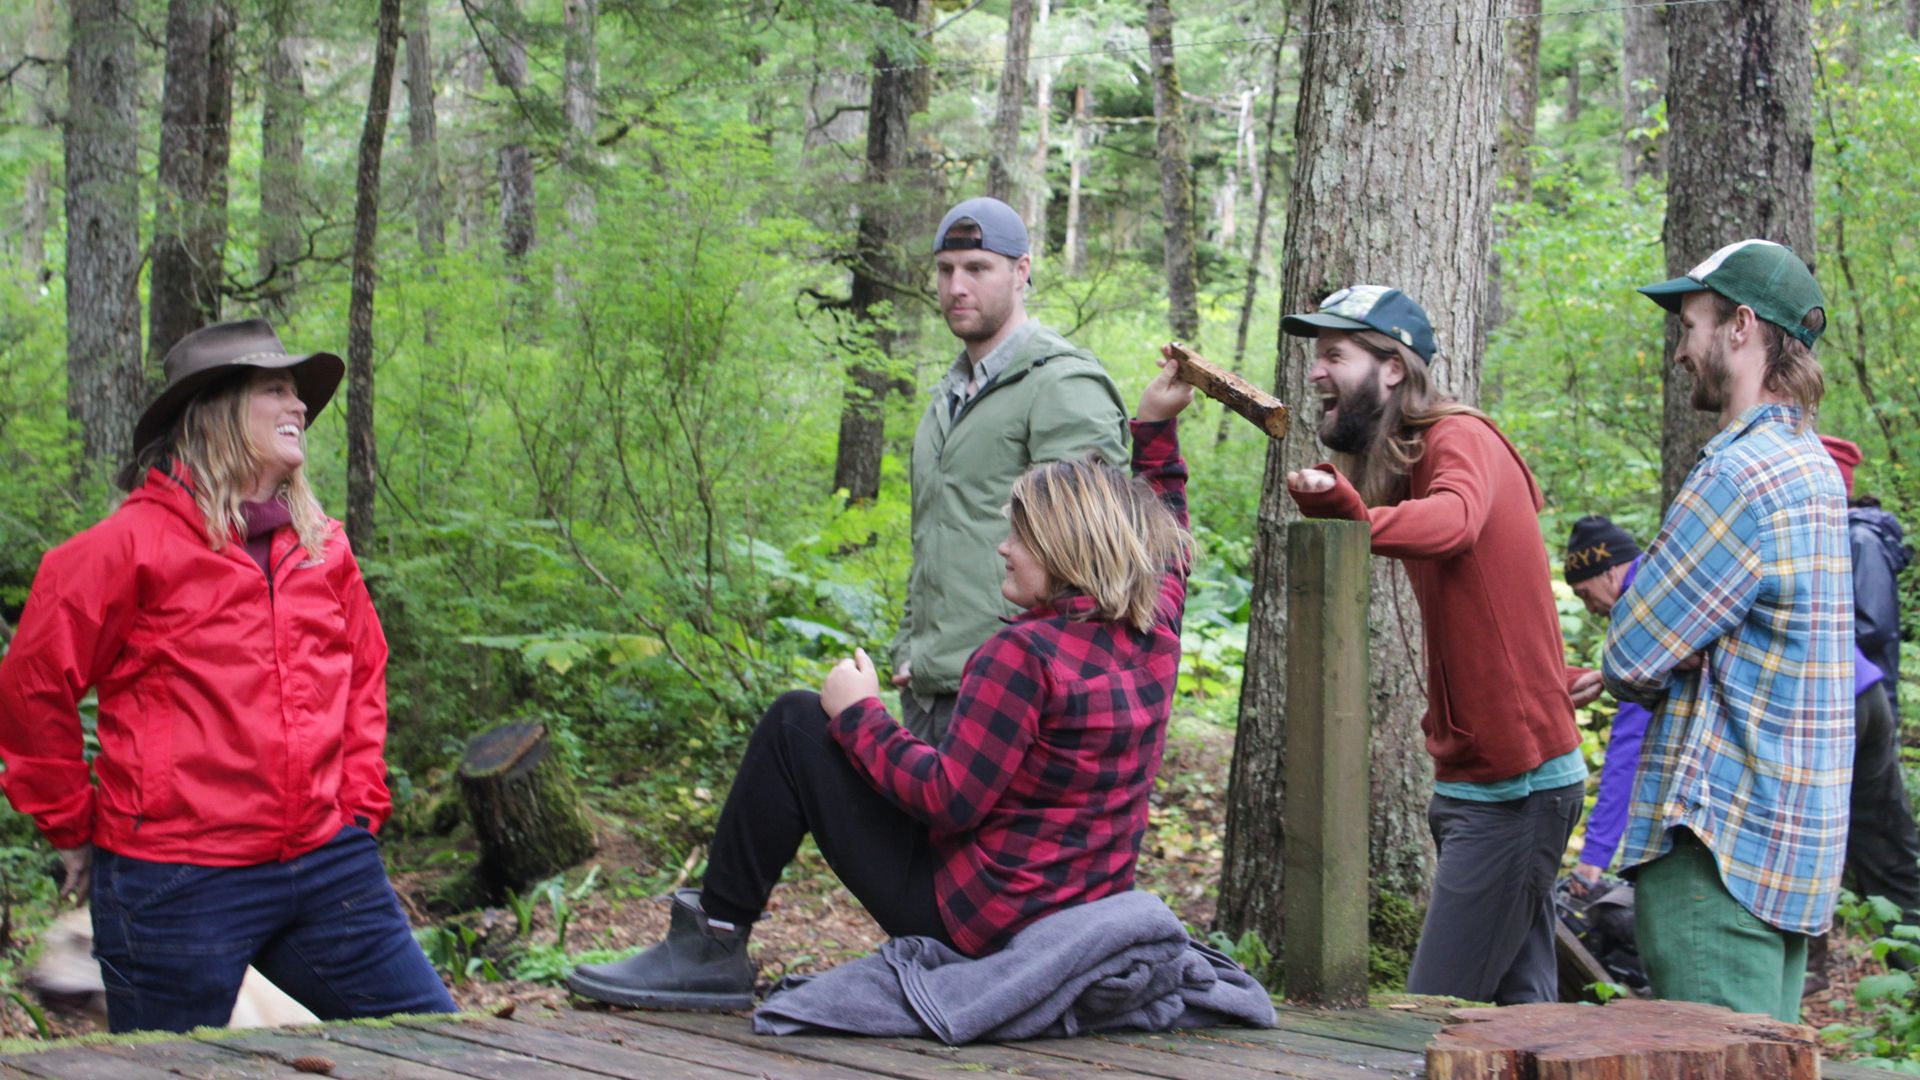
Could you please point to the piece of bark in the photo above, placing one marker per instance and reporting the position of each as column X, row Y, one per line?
column 1658, row 1040
column 1262, row 410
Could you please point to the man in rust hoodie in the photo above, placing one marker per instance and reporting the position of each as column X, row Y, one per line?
column 1446, row 493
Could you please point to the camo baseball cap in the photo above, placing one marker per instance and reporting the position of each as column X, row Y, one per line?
column 1369, row 307
column 1763, row 275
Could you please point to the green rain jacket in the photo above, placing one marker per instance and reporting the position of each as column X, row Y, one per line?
column 1052, row 402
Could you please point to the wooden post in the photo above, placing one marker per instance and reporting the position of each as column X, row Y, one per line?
column 1324, row 937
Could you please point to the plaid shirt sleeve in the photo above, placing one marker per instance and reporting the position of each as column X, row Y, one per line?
column 994, row 723
column 1697, row 584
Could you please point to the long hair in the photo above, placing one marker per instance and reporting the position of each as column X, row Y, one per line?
column 1380, row 470
column 1791, row 370
column 210, row 441
column 1098, row 531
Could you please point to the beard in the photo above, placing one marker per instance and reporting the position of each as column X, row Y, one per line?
column 1710, row 379
column 1356, row 418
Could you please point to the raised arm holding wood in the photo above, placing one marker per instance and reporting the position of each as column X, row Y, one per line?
column 1262, row 409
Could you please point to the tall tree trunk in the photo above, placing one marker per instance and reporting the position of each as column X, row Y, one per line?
column 1643, row 77
column 210, row 241
column 362, row 465
column 1574, row 101
column 429, row 203
column 1076, row 178
column 1263, row 177
column 1176, row 174
column 1038, row 194
column 1913, row 19
column 879, row 266
column 469, row 173
column 283, row 122
column 175, row 304
column 1013, row 95
column 43, row 113
column 1226, row 197
column 508, row 52
column 105, row 389
column 581, row 96
column 1739, row 105
column 1423, row 224
column 1522, row 84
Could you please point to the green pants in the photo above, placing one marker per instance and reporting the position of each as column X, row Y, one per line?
column 1699, row 944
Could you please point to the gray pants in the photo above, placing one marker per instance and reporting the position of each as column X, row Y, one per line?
column 1489, row 929
column 926, row 716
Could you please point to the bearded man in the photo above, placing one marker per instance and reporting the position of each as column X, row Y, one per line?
column 1018, row 394
column 1445, row 492
column 1738, row 634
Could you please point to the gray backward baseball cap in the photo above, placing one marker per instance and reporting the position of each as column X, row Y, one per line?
column 1001, row 229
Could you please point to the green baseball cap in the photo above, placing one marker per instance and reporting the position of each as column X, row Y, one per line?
column 1763, row 275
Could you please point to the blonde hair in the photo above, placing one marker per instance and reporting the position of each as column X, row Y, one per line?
column 211, row 442
column 1791, row 370
column 1098, row 531
column 1381, row 470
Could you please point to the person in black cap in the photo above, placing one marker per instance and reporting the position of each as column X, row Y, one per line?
column 1018, row 395
column 1447, row 494
column 1601, row 561
column 242, row 712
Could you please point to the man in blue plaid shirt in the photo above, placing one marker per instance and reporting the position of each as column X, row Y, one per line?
column 1738, row 634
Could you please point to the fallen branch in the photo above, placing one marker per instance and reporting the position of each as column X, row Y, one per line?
column 1261, row 409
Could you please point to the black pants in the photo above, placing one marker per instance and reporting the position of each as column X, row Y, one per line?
column 1883, row 852
column 796, row 780
column 1489, row 930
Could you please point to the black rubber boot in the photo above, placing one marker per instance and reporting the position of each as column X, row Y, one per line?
column 700, row 966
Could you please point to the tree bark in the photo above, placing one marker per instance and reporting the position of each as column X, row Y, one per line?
column 1913, row 19
column 210, row 242
column 105, row 389
column 1574, row 101
column 508, row 53
column 361, row 462
column 1013, row 96
column 1421, row 223
column 283, row 120
column 1076, row 176
column 1522, row 95
column 176, row 303
column 1038, row 194
column 879, row 266
column 1739, row 164
column 1176, row 175
column 42, row 112
column 429, row 203
column 580, row 96
column 1643, row 77
column 468, row 170
column 1270, row 153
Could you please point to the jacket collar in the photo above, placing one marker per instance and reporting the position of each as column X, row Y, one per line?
column 1068, row 606
column 1770, row 412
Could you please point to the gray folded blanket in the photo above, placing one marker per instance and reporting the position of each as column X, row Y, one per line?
column 1123, row 962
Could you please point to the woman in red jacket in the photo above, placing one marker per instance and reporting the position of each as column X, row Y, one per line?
column 242, row 712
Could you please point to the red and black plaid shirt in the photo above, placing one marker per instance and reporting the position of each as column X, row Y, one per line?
column 1037, row 799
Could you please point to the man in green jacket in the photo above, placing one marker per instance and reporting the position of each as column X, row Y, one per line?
column 1018, row 394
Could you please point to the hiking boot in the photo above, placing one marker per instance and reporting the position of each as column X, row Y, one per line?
column 701, row 965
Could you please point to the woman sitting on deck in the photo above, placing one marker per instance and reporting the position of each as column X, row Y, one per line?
column 1037, row 798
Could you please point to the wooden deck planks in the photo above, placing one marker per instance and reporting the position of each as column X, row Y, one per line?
column 1309, row 1044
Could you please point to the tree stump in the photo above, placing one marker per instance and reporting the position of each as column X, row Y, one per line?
column 525, row 811
column 1644, row 1040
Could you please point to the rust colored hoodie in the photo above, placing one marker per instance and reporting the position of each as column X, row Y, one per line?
column 1469, row 535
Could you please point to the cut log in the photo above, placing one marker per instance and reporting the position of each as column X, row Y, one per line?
column 1263, row 410
column 525, row 811
column 1658, row 1040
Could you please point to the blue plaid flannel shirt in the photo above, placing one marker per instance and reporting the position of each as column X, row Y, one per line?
column 1753, row 751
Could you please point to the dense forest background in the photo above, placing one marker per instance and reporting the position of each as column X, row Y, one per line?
column 639, row 303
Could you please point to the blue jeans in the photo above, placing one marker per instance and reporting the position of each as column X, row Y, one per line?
column 174, row 940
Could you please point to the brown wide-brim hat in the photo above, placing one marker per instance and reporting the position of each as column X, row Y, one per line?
column 203, row 357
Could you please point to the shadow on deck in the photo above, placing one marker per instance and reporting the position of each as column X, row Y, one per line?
column 1364, row 1044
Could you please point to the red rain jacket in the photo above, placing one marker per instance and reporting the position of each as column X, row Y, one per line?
column 241, row 719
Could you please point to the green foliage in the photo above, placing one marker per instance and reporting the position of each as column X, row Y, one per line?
column 1887, row 1034
column 1393, row 931
column 1251, row 953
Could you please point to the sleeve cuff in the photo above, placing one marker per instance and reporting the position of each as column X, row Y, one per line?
column 1341, row 501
